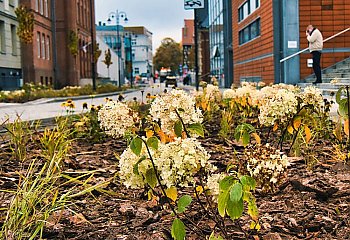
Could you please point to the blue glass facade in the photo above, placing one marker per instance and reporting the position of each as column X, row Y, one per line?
column 220, row 37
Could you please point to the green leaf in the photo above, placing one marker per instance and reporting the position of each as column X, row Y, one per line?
column 151, row 178
column 235, row 209
column 183, row 203
column 136, row 166
column 226, row 183
column 338, row 95
column 343, row 108
column 236, row 192
column 222, row 202
column 245, row 138
column 136, row 146
column 152, row 142
column 178, row 129
column 178, row 231
column 248, row 182
column 196, row 128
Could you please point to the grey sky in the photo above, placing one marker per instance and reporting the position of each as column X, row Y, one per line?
column 162, row 17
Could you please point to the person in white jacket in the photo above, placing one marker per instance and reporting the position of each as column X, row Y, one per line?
column 315, row 38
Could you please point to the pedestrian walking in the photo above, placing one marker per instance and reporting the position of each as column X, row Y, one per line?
column 315, row 38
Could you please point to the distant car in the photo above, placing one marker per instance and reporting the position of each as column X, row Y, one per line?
column 144, row 78
column 171, row 80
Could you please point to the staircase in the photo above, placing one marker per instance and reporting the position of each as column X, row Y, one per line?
column 339, row 71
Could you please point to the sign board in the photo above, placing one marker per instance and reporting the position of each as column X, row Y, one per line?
column 292, row 44
column 309, row 63
column 194, row 4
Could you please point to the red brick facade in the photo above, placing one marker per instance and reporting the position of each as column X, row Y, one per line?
column 38, row 64
column 260, row 48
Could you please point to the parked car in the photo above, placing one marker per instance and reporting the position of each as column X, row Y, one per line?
column 171, row 80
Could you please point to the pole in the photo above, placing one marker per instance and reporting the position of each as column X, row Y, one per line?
column 93, row 67
column 118, row 47
column 54, row 45
column 196, row 48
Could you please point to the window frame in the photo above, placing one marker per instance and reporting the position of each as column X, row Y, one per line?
column 247, row 31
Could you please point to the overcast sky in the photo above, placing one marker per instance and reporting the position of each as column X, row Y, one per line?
column 164, row 18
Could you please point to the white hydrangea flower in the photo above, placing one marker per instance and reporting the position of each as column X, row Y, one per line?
column 126, row 168
column 312, row 96
column 163, row 110
column 116, row 118
column 178, row 161
column 213, row 183
column 280, row 107
column 212, row 93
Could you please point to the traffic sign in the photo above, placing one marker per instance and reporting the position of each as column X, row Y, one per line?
column 194, row 4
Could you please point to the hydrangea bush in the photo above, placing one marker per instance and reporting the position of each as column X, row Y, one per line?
column 117, row 119
column 165, row 109
column 266, row 165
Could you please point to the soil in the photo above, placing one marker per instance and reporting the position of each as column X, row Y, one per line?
column 310, row 204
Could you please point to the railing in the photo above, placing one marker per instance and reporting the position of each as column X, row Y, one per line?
column 304, row 50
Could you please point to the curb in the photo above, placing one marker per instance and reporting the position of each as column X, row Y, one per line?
column 63, row 99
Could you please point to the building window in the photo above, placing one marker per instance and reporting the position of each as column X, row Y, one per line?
column 137, row 71
column 133, row 42
column 48, row 43
column 37, row 5
column 12, row 3
column 43, row 47
column 2, row 37
column 247, row 8
column 46, row 8
column 38, row 44
column 14, row 39
column 41, row 2
column 249, row 32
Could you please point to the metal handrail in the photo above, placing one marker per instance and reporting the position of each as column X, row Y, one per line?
column 304, row 50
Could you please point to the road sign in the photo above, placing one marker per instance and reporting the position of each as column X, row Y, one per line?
column 194, row 4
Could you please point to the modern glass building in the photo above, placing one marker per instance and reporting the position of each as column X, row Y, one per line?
column 220, row 33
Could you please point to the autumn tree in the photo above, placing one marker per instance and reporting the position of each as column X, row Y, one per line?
column 108, row 59
column 168, row 54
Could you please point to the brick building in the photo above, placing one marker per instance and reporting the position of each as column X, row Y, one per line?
column 264, row 32
column 187, row 43
column 48, row 59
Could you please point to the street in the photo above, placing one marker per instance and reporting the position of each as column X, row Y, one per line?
column 41, row 109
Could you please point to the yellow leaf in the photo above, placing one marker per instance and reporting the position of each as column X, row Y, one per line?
column 199, row 190
column 255, row 225
column 308, row 134
column 290, row 129
column 337, row 131
column 275, row 127
column 171, row 193
column 149, row 133
column 346, row 127
column 257, row 138
column 204, row 106
column 297, row 122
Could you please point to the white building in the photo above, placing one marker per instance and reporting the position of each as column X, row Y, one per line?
column 10, row 54
column 142, row 57
column 102, row 70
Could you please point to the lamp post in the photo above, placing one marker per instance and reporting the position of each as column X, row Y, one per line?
column 117, row 15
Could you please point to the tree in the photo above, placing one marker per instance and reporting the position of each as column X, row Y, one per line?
column 168, row 54
column 26, row 24
column 98, row 52
column 108, row 59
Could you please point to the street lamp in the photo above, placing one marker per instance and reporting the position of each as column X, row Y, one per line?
column 117, row 15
